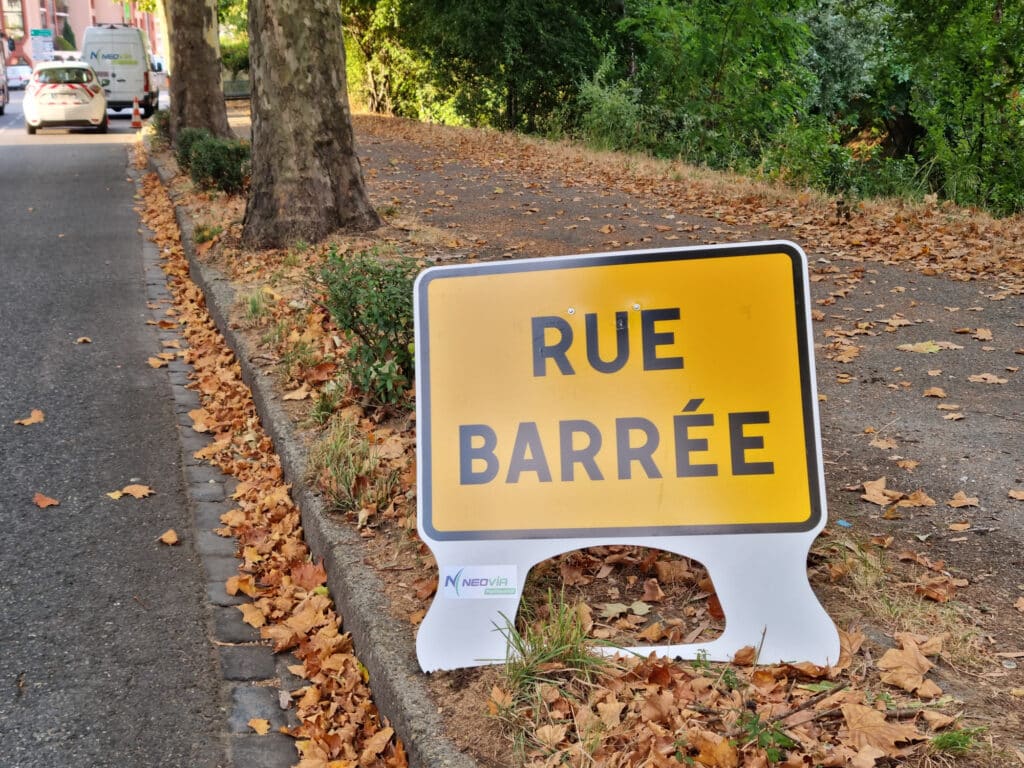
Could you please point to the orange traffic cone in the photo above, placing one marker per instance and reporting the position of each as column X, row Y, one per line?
column 136, row 117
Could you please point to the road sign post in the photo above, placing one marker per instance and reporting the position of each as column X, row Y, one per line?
column 661, row 398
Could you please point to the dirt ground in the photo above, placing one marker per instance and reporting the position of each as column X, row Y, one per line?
column 919, row 341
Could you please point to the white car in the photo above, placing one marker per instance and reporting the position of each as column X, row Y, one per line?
column 18, row 76
column 64, row 93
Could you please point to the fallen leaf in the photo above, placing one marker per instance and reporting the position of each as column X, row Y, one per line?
column 83, row 340
column 652, row 592
column 252, row 615
column 987, row 378
column 1016, row 493
column 137, row 491
column 156, row 362
column 904, row 667
column 297, row 394
column 961, row 526
column 36, row 417
column 961, row 499
column 917, row 499
column 886, row 444
column 922, row 347
column 867, row 727
column 934, row 392
column 260, row 725
column 43, row 501
column 1019, row 605
column 170, row 537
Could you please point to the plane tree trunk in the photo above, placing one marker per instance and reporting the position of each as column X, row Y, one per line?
column 197, row 97
column 306, row 178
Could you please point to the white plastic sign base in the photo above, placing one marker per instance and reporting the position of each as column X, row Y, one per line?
column 762, row 587
column 662, row 398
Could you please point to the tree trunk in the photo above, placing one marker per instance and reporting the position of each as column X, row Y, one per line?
column 197, row 98
column 306, row 178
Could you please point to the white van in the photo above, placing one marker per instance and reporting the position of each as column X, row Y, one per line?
column 120, row 55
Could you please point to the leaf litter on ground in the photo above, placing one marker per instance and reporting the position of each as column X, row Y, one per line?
column 643, row 711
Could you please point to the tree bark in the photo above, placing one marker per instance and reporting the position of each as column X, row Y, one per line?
column 306, row 178
column 197, row 97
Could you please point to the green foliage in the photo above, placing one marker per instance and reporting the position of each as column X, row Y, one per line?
column 235, row 57
column 956, row 742
column 507, row 64
column 768, row 736
column 160, row 122
column 216, row 163
column 232, row 16
column 203, row 233
column 186, row 139
column 370, row 298
column 864, row 98
column 68, row 34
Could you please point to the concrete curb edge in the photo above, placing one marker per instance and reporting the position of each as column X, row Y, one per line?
column 399, row 686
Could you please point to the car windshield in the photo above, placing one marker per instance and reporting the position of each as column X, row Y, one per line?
column 69, row 75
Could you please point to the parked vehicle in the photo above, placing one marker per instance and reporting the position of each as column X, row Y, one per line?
column 120, row 55
column 64, row 93
column 5, row 94
column 18, row 76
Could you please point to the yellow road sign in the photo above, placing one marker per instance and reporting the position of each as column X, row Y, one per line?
column 658, row 392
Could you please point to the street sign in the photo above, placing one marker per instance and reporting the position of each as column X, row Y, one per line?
column 42, row 44
column 665, row 397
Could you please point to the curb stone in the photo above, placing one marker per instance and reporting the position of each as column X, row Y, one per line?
column 399, row 687
column 252, row 677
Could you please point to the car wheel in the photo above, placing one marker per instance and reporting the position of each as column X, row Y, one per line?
column 31, row 129
column 102, row 127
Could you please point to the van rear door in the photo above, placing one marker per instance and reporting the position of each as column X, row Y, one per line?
column 120, row 63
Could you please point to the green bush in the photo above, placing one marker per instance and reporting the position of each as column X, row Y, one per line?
column 234, row 57
column 161, row 124
column 219, row 163
column 187, row 138
column 370, row 299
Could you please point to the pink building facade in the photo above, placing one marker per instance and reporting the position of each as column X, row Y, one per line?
column 19, row 17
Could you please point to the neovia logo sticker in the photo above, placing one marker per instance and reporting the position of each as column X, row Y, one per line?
column 479, row 581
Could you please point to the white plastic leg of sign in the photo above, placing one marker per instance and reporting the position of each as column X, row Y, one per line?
column 761, row 582
column 762, row 585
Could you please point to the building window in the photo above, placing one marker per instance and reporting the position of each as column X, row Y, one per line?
column 14, row 19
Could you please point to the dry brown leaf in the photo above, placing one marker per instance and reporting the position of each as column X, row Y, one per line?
column 42, row 501
column 934, row 392
column 652, row 592
column 252, row 615
column 917, row 499
column 374, row 745
column 297, row 394
column 961, row 499
column 169, row 537
column 551, row 735
column 1016, row 493
column 260, row 725
column 963, row 525
column 876, row 493
column 156, row 362
column 137, row 491
column 35, row 417
column 987, row 378
column 83, row 340
column 867, row 727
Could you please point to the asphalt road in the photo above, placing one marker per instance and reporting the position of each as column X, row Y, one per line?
column 105, row 656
